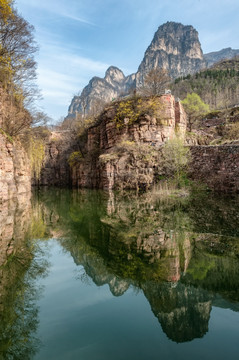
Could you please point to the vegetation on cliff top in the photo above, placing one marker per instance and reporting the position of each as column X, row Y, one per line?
column 18, row 89
column 218, row 86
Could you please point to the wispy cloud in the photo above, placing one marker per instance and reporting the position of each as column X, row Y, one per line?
column 60, row 9
column 76, row 18
column 62, row 73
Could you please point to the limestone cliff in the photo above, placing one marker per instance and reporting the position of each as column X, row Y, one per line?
column 101, row 90
column 175, row 47
column 15, row 172
column 55, row 170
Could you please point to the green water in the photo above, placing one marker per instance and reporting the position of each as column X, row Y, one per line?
column 91, row 275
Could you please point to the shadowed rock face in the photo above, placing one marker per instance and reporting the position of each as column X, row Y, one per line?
column 182, row 311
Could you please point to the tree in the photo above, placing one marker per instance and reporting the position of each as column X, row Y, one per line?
column 5, row 9
column 175, row 159
column 194, row 107
column 155, row 82
column 17, row 49
column 17, row 71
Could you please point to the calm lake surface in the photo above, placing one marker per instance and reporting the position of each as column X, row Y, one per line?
column 95, row 276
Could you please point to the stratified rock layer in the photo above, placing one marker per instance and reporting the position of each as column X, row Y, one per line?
column 15, row 172
column 102, row 138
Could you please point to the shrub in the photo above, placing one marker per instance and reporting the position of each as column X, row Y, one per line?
column 74, row 158
column 175, row 159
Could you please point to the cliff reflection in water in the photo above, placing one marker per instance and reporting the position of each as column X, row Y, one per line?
column 19, row 270
column 183, row 254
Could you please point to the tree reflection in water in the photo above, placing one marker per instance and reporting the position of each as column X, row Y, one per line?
column 21, row 264
column 181, row 253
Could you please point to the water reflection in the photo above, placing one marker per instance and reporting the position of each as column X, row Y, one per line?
column 19, row 269
column 183, row 254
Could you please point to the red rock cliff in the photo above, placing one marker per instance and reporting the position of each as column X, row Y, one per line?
column 103, row 137
column 15, row 172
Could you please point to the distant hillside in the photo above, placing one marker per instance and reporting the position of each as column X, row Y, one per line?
column 213, row 57
column 218, row 86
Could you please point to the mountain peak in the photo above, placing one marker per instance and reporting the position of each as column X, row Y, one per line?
column 176, row 48
column 114, row 75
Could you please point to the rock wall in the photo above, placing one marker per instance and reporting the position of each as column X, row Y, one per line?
column 56, row 170
column 216, row 166
column 15, row 173
column 15, row 221
column 102, row 138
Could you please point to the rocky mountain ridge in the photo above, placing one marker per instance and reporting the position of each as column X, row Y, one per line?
column 227, row 53
column 175, row 47
column 101, row 90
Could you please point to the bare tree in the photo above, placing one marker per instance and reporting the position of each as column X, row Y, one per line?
column 17, row 49
column 155, row 82
column 17, row 71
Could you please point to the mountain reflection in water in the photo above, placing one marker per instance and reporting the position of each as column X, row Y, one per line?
column 183, row 254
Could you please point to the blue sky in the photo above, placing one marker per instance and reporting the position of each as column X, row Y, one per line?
column 79, row 39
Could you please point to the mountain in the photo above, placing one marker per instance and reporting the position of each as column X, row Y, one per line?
column 101, row 90
column 218, row 86
column 213, row 57
column 175, row 47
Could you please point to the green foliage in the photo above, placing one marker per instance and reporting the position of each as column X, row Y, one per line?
column 194, row 107
column 175, row 159
column 17, row 70
column 200, row 267
column 36, row 153
column 74, row 158
column 217, row 86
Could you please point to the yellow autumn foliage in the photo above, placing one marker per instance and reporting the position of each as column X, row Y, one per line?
column 5, row 9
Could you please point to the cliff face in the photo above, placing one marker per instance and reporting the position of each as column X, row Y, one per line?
column 175, row 47
column 56, row 170
column 15, row 172
column 103, row 168
column 99, row 91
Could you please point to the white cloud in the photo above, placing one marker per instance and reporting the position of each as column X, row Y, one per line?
column 58, row 8
column 62, row 73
